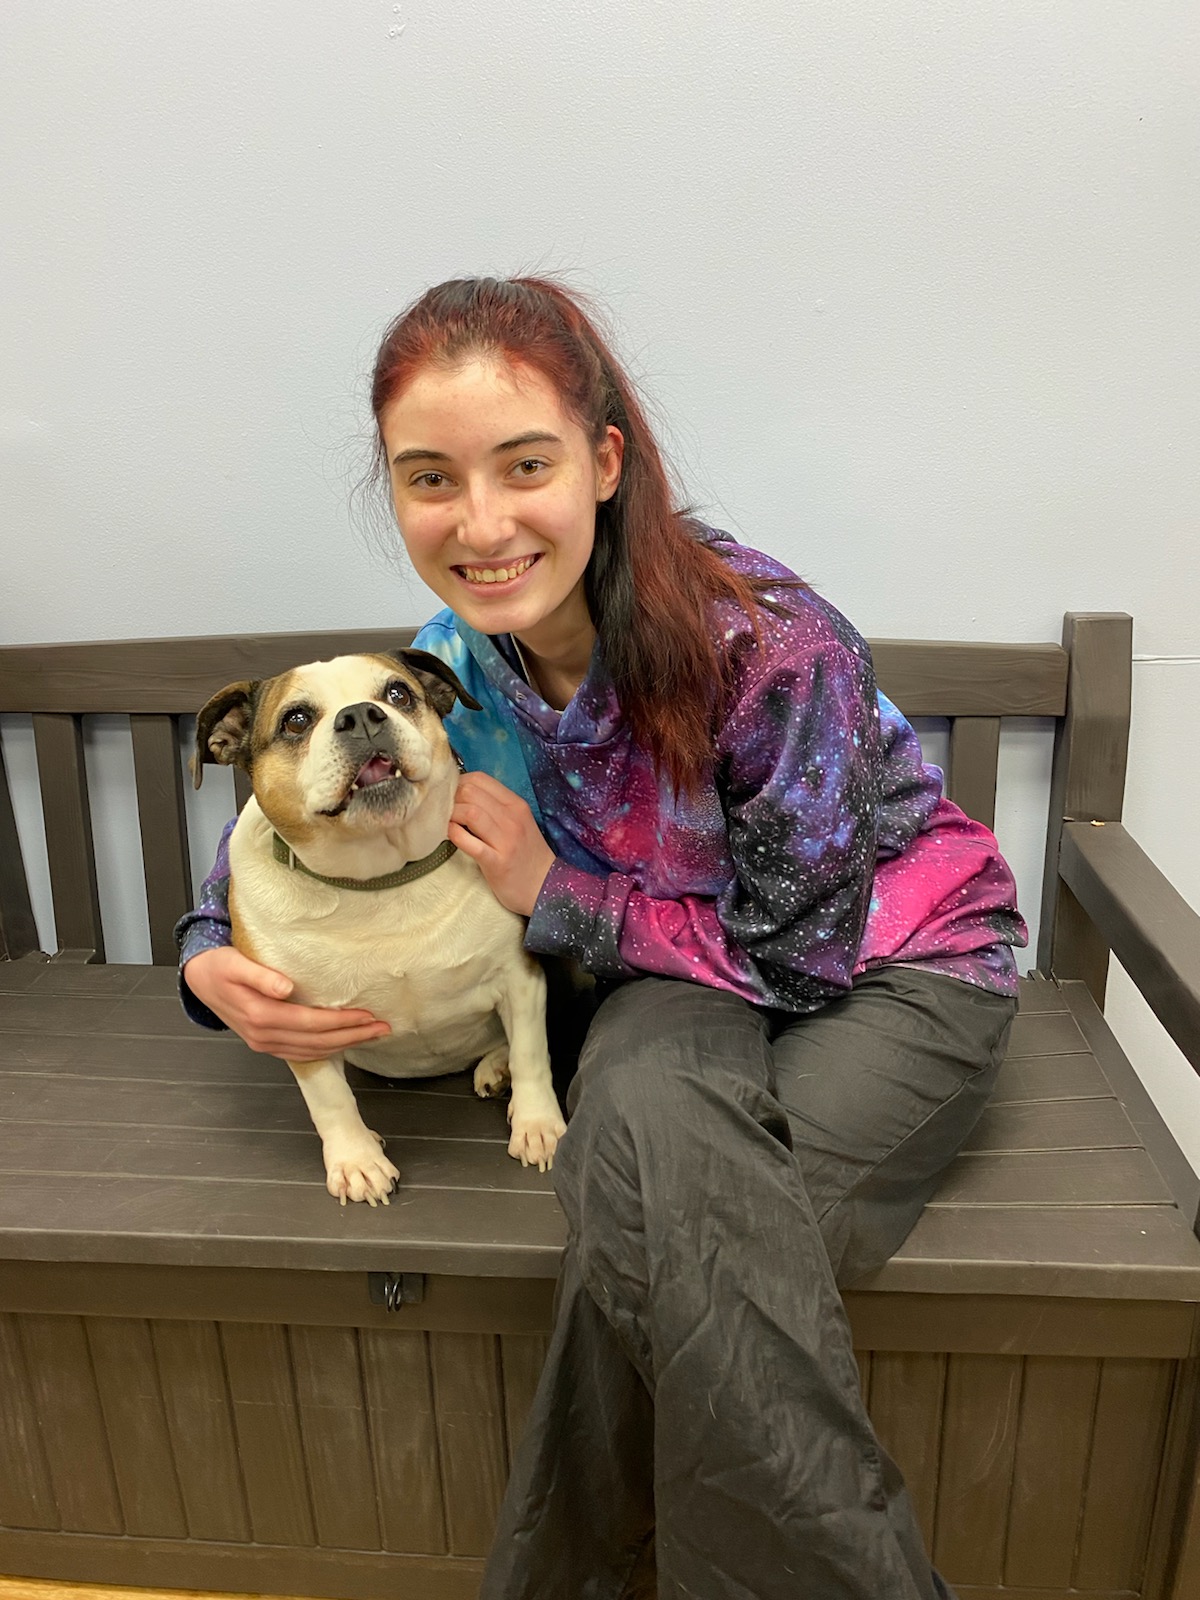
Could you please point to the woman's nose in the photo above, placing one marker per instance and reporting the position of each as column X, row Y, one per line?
column 486, row 528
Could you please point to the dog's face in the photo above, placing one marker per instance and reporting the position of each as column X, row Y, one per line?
column 348, row 744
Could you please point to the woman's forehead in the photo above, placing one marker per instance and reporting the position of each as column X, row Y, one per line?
column 472, row 396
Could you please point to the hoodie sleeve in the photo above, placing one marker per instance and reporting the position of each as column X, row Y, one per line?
column 798, row 768
column 206, row 928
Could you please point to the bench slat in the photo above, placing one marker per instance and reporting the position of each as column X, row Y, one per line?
column 466, row 1381
column 1055, row 1125
column 1053, row 1178
column 337, row 1446
column 1050, row 1469
column 1127, row 1433
column 1117, row 1252
column 18, row 930
column 62, row 778
column 192, row 1371
column 135, row 1426
column 293, row 1225
column 974, row 761
column 26, row 1492
column 1045, row 1033
column 63, row 1387
column 925, row 678
column 398, row 1386
column 166, row 863
column 270, row 1450
column 242, row 787
column 1071, row 1077
column 1087, row 783
column 107, row 1107
column 81, row 1151
column 975, row 1475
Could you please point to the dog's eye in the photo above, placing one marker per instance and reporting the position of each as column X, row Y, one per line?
column 295, row 722
column 398, row 694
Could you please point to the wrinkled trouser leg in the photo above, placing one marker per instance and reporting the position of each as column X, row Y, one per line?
column 701, row 1375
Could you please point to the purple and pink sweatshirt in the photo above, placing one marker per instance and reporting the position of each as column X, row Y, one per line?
column 819, row 845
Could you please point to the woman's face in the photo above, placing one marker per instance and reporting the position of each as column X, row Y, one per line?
column 495, row 488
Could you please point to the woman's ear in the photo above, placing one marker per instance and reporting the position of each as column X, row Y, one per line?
column 609, row 455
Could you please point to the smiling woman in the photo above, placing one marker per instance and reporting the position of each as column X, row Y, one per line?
column 680, row 770
column 502, row 536
column 544, row 405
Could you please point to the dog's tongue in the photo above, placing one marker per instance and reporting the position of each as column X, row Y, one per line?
column 378, row 770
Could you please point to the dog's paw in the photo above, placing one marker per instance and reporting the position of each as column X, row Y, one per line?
column 360, row 1171
column 491, row 1075
column 535, row 1135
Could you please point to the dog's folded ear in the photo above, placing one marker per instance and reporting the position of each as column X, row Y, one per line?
column 223, row 729
column 439, row 681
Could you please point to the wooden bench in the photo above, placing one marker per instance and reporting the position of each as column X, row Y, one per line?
column 212, row 1376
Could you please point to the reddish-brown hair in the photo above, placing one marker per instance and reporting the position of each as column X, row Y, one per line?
column 651, row 582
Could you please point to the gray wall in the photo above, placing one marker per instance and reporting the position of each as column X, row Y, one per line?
column 913, row 283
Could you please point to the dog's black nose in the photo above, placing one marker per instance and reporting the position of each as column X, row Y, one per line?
column 360, row 718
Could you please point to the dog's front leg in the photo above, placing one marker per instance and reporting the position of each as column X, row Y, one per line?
column 534, row 1113
column 355, row 1165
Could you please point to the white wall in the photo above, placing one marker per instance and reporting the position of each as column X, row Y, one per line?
column 914, row 283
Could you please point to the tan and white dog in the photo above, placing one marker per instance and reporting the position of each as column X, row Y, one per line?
column 342, row 878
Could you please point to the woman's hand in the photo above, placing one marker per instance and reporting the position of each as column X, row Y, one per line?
column 253, row 1001
column 495, row 827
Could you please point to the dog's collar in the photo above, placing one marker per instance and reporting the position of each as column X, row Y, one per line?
column 390, row 880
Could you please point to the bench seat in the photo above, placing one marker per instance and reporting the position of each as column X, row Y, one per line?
column 129, row 1135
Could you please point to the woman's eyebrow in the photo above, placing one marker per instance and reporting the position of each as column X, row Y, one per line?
column 532, row 437
column 402, row 456
column 535, row 436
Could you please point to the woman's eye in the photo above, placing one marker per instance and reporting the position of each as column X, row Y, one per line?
column 529, row 468
column 398, row 694
column 296, row 721
column 430, row 480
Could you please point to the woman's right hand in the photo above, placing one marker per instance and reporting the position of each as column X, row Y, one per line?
column 253, row 1001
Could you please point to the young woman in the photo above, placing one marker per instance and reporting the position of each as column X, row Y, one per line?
column 684, row 776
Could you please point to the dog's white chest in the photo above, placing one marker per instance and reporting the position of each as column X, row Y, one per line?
column 431, row 959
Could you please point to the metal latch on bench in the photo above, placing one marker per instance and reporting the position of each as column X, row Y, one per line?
column 396, row 1289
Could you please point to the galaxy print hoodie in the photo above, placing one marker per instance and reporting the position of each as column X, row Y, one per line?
column 820, row 844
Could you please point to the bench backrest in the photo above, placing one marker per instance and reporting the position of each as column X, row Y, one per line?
column 1084, row 684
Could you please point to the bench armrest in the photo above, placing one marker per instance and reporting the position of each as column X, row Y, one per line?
column 1149, row 926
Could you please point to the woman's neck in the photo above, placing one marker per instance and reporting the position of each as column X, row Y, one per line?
column 556, row 654
column 555, row 680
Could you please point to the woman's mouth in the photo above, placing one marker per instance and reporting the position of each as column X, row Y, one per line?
column 493, row 576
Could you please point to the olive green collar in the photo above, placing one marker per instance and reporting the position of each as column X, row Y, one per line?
column 390, row 880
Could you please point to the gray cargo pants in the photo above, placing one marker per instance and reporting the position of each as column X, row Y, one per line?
column 724, row 1169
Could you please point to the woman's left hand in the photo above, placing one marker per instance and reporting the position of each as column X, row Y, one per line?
column 495, row 827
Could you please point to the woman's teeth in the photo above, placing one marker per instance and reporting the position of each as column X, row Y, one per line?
column 497, row 574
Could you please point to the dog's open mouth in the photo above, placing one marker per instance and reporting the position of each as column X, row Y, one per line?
column 380, row 769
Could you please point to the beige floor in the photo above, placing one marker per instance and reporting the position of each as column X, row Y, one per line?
column 37, row 1589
